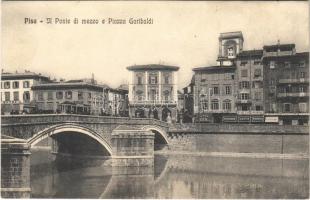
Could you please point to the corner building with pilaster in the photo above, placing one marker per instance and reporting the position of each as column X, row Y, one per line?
column 153, row 91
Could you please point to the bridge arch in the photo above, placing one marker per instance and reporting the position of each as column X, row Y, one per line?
column 69, row 128
column 162, row 133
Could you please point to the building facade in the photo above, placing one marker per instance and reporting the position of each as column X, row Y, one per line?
column 153, row 91
column 76, row 96
column 214, row 93
column 286, row 81
column 118, row 102
column 250, row 96
column 16, row 93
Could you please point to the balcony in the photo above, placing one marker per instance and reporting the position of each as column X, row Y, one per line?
column 247, row 101
column 293, row 80
column 153, row 102
column 217, row 111
column 293, row 94
column 250, row 112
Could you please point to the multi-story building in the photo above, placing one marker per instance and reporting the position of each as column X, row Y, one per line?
column 76, row 96
column 286, row 84
column 118, row 101
column 16, row 93
column 153, row 91
column 249, row 74
column 214, row 90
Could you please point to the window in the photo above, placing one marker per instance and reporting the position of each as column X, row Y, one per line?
column 204, row 104
column 167, row 80
column 68, row 94
column 232, row 77
column 227, row 90
column 26, row 96
column 272, row 64
column 139, row 80
column 257, row 95
column 244, row 85
column 214, row 104
column 216, row 90
column 89, row 95
column 287, row 107
column 26, row 84
column 40, row 96
column 302, row 107
column 166, row 95
column 302, row 88
column 302, row 74
column 244, row 96
column 243, row 63
column 153, row 80
column 230, row 52
column 7, row 96
column 257, row 73
column 59, row 95
column 227, row 105
column 258, row 107
column 15, row 84
column 7, row 85
column 140, row 97
column 244, row 73
column 271, row 82
column 302, row 64
column 257, row 62
column 50, row 95
column 287, row 64
column 80, row 95
column 245, row 107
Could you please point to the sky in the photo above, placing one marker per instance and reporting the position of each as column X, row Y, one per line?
column 183, row 34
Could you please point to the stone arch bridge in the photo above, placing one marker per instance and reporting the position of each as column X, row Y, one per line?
column 34, row 128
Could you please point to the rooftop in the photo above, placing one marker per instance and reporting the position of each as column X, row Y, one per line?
column 153, row 67
column 22, row 75
column 67, row 85
column 214, row 68
column 228, row 35
column 283, row 47
column 250, row 53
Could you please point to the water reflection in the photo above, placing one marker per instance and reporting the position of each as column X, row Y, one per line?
column 174, row 176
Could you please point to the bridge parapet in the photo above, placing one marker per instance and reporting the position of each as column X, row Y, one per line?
column 57, row 118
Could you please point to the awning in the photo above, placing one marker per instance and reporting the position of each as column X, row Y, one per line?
column 229, row 118
column 259, row 118
column 244, row 118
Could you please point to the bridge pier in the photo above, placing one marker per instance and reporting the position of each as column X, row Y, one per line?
column 132, row 148
column 15, row 168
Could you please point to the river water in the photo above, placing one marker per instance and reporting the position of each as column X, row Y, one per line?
column 173, row 176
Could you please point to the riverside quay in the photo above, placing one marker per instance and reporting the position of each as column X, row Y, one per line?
column 239, row 129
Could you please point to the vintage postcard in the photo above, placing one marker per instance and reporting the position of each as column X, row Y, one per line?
column 155, row 99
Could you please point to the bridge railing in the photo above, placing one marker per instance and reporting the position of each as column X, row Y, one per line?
column 60, row 118
column 240, row 128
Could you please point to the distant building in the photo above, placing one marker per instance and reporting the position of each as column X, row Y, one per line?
column 153, row 91
column 118, row 101
column 76, row 96
column 286, row 81
column 214, row 93
column 16, row 93
column 250, row 95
